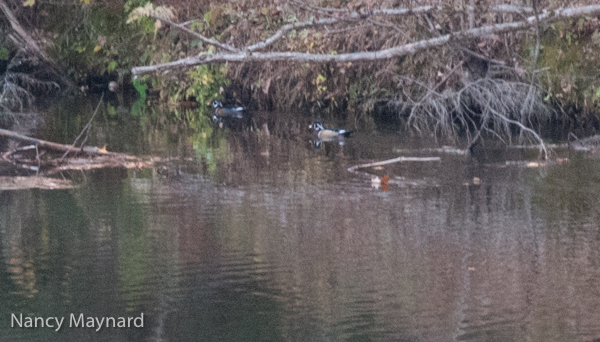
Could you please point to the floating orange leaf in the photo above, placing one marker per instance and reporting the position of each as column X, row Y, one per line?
column 385, row 179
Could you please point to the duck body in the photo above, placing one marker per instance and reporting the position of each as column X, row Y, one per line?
column 221, row 112
column 327, row 134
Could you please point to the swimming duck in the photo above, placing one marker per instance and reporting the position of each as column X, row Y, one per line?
column 326, row 134
column 221, row 113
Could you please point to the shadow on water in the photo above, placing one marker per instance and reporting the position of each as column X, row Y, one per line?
column 247, row 236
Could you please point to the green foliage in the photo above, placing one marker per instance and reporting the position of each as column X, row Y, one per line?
column 130, row 5
column 96, row 39
column 571, row 56
column 140, row 104
column 3, row 54
column 206, row 82
column 321, row 87
column 141, row 89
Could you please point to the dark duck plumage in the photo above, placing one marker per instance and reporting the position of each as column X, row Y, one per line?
column 221, row 112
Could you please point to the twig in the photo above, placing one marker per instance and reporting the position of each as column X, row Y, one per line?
column 482, row 57
column 285, row 28
column 86, row 127
column 198, row 35
column 535, row 57
column 431, row 91
column 37, row 157
column 527, row 129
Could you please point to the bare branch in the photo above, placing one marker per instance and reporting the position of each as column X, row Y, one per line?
column 512, row 9
column 286, row 28
column 56, row 146
column 416, row 10
column 196, row 34
column 392, row 161
column 248, row 56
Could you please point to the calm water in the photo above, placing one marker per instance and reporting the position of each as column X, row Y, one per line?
column 265, row 238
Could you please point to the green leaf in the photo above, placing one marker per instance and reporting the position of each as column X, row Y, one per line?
column 4, row 54
column 141, row 89
column 111, row 66
column 208, row 17
column 138, row 106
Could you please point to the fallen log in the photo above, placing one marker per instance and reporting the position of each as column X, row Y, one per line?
column 30, row 157
column 21, row 183
column 93, row 150
column 394, row 160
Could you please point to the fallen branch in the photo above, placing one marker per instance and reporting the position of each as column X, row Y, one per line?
column 20, row 183
column 391, row 161
column 409, row 11
column 100, row 157
column 396, row 51
column 445, row 149
column 60, row 147
column 286, row 28
column 196, row 34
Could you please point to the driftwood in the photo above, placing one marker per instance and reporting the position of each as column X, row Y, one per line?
column 21, row 183
column 444, row 149
column 92, row 150
column 250, row 53
column 392, row 161
column 95, row 158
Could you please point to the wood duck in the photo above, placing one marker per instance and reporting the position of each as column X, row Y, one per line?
column 221, row 113
column 328, row 134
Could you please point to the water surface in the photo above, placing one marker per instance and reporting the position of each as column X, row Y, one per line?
column 251, row 237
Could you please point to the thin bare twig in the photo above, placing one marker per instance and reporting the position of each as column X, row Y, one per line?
column 85, row 128
column 197, row 35
column 286, row 28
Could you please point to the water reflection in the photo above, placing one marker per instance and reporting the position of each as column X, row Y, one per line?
column 263, row 238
